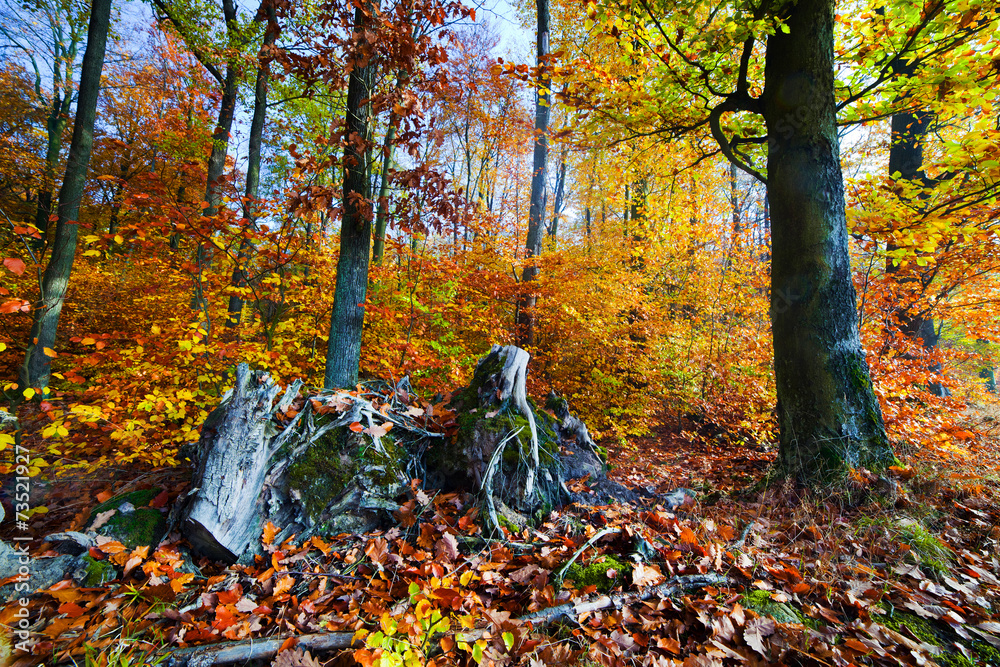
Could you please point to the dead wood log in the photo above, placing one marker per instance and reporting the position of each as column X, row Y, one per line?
column 325, row 462
column 228, row 653
column 221, row 513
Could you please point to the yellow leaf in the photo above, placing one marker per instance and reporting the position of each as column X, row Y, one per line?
column 92, row 253
column 49, row 352
column 29, row 393
column 178, row 583
column 119, row 239
column 88, row 341
column 155, row 329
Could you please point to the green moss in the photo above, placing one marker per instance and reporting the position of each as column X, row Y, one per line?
column 596, row 573
column 762, row 603
column 928, row 633
column 955, row 659
column 469, row 397
column 135, row 498
column 330, row 465
column 140, row 526
column 323, row 471
column 556, row 404
column 384, row 464
column 99, row 572
column 986, row 652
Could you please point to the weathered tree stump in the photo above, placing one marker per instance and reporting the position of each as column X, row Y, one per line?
column 328, row 463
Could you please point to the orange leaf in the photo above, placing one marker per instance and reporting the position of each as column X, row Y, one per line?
column 14, row 305
column 284, row 585
column 178, row 584
column 364, row 657
column 232, row 596
column 270, row 530
column 110, row 546
column 356, row 427
column 71, row 609
column 318, row 542
column 288, row 644
column 104, row 496
column 15, row 265
column 64, row 594
column 159, row 501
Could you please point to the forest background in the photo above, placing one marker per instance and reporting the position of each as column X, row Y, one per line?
column 634, row 266
column 652, row 294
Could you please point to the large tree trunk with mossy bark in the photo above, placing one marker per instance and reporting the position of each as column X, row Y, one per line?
column 335, row 461
column 829, row 417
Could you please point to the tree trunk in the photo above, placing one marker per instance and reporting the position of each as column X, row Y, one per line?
column 215, row 171
column 557, row 205
column 251, row 192
column 54, row 125
column 829, row 418
column 45, row 322
column 906, row 165
column 343, row 354
column 525, row 326
column 382, row 215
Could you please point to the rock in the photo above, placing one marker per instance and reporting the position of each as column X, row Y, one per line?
column 31, row 574
column 132, row 522
column 8, row 422
column 91, row 572
column 679, row 498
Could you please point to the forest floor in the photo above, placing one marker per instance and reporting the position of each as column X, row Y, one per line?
column 899, row 571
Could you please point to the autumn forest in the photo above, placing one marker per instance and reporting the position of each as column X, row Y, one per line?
column 425, row 332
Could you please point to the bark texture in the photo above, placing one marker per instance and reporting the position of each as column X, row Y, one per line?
column 539, row 163
column 36, row 369
column 828, row 415
column 347, row 320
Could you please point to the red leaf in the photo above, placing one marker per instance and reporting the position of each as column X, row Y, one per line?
column 159, row 501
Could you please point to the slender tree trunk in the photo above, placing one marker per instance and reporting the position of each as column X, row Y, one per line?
column 36, row 369
column 906, row 165
column 382, row 214
column 829, row 417
column 251, row 192
column 343, row 354
column 216, row 169
column 906, row 158
column 64, row 49
column 734, row 201
column 55, row 125
column 557, row 205
column 525, row 333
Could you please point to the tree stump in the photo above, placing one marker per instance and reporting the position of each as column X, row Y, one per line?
column 335, row 462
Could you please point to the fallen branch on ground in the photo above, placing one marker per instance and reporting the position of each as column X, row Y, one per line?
column 236, row 652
